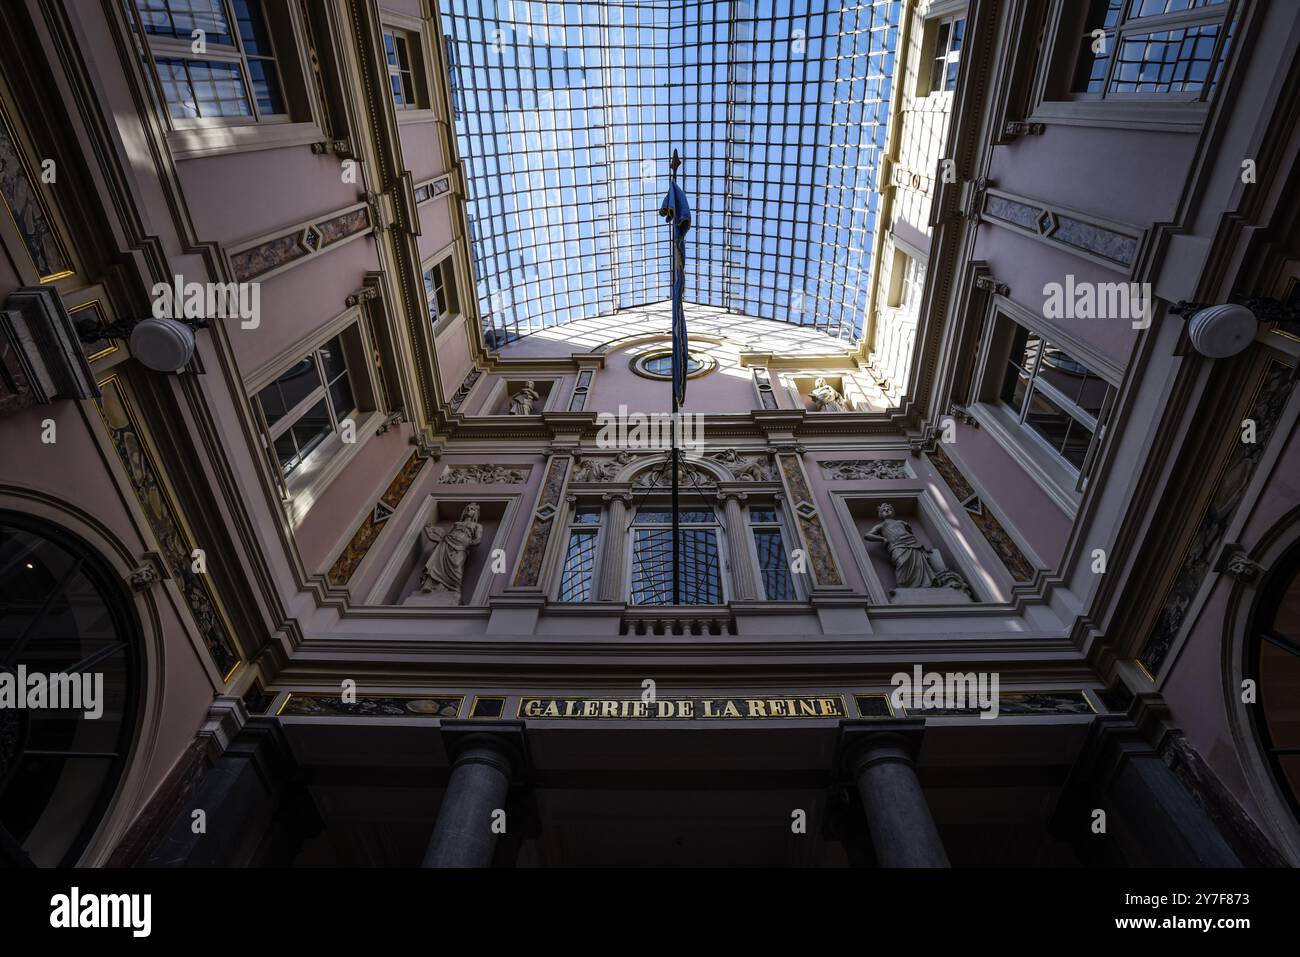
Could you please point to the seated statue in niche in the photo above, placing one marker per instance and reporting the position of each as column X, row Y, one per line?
column 915, row 566
column 444, row 570
column 825, row 397
column 521, row 403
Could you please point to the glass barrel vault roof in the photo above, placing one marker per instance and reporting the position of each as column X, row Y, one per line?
column 566, row 114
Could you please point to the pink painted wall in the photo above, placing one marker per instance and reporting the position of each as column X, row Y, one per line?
column 333, row 518
column 1131, row 176
column 297, row 301
column 421, row 150
column 453, row 355
column 239, row 196
column 435, row 227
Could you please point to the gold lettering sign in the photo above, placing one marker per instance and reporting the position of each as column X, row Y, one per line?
column 781, row 708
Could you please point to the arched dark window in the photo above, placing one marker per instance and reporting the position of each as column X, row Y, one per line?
column 65, row 623
column 1273, row 660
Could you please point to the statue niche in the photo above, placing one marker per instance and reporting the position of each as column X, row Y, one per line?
column 920, row 575
column 442, row 578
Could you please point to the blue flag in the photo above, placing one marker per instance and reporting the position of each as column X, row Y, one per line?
column 677, row 211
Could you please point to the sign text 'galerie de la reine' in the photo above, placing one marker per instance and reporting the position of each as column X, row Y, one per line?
column 689, row 709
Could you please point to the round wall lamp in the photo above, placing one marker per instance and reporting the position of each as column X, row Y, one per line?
column 163, row 345
column 1227, row 329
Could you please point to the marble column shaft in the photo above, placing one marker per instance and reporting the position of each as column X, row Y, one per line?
column 902, row 830
column 463, row 834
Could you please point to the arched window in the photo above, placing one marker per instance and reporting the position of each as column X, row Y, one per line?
column 69, row 674
column 1273, row 660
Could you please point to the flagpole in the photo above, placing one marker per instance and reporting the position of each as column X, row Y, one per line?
column 677, row 587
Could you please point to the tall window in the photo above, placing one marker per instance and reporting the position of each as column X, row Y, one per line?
column 306, row 405
column 226, row 71
column 401, row 52
column 580, row 556
column 63, row 611
column 1056, row 397
column 911, row 277
column 439, row 291
column 773, row 563
column 1273, row 660
column 700, row 558
column 1152, row 47
column 946, row 56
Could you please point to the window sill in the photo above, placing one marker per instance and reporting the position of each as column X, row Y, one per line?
column 201, row 141
column 1175, row 117
column 323, row 466
column 410, row 117
column 1052, row 477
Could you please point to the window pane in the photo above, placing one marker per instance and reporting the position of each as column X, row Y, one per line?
column 266, row 86
column 341, row 398
column 700, row 567
column 180, row 18
column 654, row 516
column 312, row 429
column 252, row 27
column 203, row 88
column 575, row 582
column 1170, row 61
column 1065, row 434
column 778, row 583
column 587, row 516
column 298, row 383
column 331, row 355
column 762, row 516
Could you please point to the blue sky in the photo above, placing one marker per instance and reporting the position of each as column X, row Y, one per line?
column 566, row 114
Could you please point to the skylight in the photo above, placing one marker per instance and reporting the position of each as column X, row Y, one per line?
column 566, row 114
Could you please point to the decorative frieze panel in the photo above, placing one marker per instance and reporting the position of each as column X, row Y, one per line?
column 854, row 470
column 746, row 468
column 26, row 207
column 1270, row 399
column 305, row 704
column 174, row 542
column 265, row 256
column 350, row 558
column 578, row 401
column 1011, row 704
column 462, row 393
column 529, row 571
column 1008, row 552
column 1110, row 244
column 763, row 383
column 433, row 188
column 822, row 561
column 490, row 474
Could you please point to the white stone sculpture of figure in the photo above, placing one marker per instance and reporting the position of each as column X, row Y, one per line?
column 444, row 571
column 908, row 556
column 915, row 566
column 521, row 403
column 825, row 398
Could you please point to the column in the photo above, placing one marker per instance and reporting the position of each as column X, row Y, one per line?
column 744, row 579
column 879, row 757
column 463, row 834
column 610, row 583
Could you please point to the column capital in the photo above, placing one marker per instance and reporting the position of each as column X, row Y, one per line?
column 863, row 740
column 730, row 494
column 503, row 738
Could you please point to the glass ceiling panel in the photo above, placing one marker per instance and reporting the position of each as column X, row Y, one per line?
column 566, row 114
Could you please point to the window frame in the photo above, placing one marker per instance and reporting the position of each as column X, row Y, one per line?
column 159, row 47
column 780, row 526
column 933, row 28
column 413, row 33
column 303, row 486
column 1062, row 482
column 595, row 530
column 1054, row 101
column 444, row 266
column 664, row 504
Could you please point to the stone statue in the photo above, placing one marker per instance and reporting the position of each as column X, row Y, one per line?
column 444, row 571
column 521, row 403
column 825, row 398
column 753, row 469
column 915, row 566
